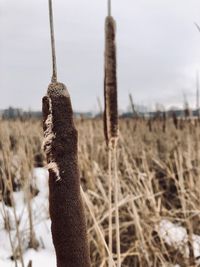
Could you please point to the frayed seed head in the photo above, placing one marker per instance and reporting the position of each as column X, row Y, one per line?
column 49, row 137
column 52, row 166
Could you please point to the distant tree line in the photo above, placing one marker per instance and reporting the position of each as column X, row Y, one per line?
column 18, row 113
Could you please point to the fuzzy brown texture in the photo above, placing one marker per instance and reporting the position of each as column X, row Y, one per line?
column 66, row 209
column 110, row 82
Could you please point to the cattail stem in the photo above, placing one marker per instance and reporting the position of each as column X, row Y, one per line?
column 97, row 228
column 116, row 197
column 109, row 7
column 53, row 49
column 110, row 205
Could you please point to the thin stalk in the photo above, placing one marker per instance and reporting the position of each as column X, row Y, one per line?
column 109, row 7
column 17, row 227
column 32, row 239
column 110, row 204
column 116, row 198
column 96, row 225
column 53, row 48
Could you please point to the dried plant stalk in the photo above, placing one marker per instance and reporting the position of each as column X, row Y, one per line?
column 111, row 125
column 116, row 196
column 110, row 230
column 66, row 208
column 135, row 114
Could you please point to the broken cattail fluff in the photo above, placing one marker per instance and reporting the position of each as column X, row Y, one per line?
column 47, row 143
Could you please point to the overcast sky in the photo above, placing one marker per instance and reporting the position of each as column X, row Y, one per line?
column 157, row 43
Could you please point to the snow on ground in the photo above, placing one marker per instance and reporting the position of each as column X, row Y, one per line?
column 176, row 236
column 39, row 259
column 39, row 204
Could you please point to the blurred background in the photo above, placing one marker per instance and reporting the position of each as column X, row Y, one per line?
column 158, row 52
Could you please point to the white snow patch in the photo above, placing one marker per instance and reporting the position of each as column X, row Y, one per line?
column 41, row 180
column 45, row 254
column 39, row 258
column 176, row 236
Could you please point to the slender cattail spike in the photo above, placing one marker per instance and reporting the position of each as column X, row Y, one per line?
column 53, row 49
column 111, row 125
column 110, row 83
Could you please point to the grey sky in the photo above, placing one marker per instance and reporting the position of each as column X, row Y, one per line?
column 158, row 50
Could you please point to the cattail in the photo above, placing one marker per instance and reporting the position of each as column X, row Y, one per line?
column 110, row 83
column 111, row 124
column 65, row 203
column 66, row 208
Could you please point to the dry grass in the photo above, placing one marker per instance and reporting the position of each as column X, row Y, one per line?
column 159, row 178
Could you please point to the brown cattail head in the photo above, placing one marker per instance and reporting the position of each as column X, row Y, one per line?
column 65, row 204
column 110, row 83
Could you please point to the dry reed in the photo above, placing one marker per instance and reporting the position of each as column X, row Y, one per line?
column 152, row 171
column 111, row 125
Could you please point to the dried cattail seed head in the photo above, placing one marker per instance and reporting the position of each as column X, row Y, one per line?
column 65, row 203
column 110, row 83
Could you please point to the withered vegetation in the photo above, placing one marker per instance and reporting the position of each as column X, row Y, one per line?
column 159, row 179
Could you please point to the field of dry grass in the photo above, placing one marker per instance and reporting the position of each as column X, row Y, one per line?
column 158, row 178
